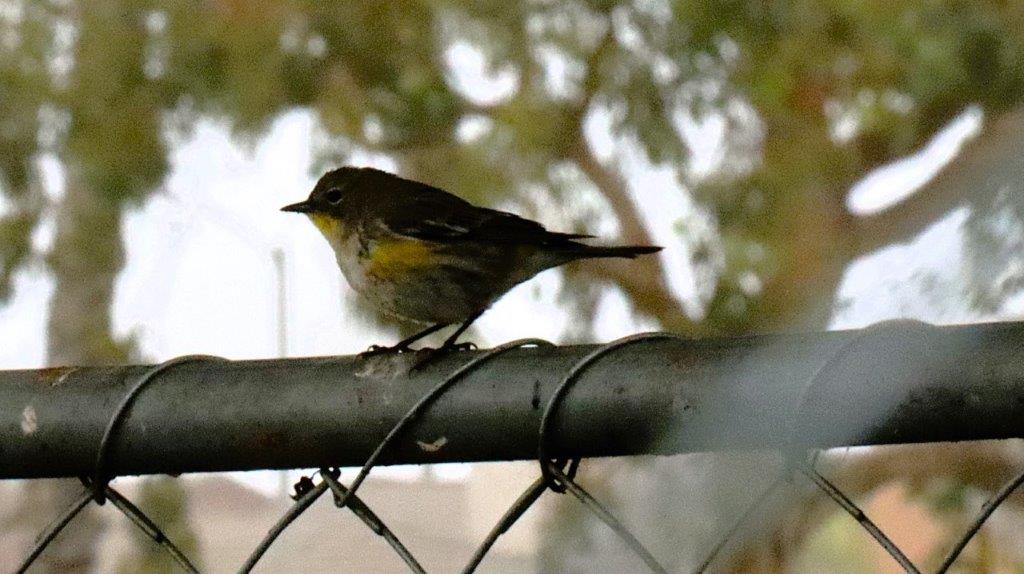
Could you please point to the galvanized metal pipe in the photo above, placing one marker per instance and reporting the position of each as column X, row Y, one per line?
column 894, row 383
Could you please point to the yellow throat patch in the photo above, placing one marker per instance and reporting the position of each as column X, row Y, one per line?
column 327, row 225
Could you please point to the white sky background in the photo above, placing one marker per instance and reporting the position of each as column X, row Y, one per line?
column 199, row 276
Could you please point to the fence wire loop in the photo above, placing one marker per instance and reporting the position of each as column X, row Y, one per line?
column 100, row 476
column 97, row 486
column 546, row 420
column 825, row 373
column 794, row 466
column 818, row 379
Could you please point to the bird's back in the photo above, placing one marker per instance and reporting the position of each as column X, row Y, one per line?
column 421, row 211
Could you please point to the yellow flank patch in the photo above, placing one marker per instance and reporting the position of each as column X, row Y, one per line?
column 325, row 223
column 396, row 256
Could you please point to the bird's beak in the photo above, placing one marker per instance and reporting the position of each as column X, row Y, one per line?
column 300, row 207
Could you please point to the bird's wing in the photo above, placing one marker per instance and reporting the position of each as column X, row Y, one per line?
column 434, row 215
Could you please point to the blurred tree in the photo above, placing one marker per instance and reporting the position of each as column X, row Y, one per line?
column 84, row 98
column 809, row 96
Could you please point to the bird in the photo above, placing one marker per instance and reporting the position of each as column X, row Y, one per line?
column 424, row 255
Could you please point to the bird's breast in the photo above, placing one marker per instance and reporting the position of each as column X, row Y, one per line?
column 348, row 250
column 391, row 259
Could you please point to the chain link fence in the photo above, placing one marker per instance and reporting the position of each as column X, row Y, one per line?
column 892, row 383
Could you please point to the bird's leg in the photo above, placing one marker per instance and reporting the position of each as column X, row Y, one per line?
column 449, row 344
column 403, row 345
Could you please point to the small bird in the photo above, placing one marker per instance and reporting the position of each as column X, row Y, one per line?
column 422, row 254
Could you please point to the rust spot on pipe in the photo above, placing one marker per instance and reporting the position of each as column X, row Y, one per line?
column 54, row 376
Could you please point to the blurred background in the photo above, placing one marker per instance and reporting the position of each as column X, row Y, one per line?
column 808, row 165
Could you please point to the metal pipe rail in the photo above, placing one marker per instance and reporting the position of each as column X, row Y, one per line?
column 898, row 382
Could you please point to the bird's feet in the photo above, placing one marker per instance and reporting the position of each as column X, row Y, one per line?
column 424, row 355
column 428, row 355
column 375, row 350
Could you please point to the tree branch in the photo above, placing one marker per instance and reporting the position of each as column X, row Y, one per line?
column 984, row 167
column 644, row 279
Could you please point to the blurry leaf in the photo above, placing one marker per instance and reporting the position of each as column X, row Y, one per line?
column 15, row 247
column 949, row 497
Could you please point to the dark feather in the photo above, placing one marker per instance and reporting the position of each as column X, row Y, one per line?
column 425, row 212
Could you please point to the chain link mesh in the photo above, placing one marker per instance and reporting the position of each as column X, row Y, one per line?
column 556, row 475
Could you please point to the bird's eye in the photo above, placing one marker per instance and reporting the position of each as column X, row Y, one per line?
column 333, row 196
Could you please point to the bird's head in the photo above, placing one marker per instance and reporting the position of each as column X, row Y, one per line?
column 331, row 203
column 331, row 195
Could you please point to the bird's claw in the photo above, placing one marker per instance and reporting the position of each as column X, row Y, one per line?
column 424, row 355
column 375, row 350
column 427, row 355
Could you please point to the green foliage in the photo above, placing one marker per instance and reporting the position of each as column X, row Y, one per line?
column 15, row 234
column 838, row 89
column 838, row 546
column 948, row 497
column 813, row 95
column 114, row 136
column 23, row 90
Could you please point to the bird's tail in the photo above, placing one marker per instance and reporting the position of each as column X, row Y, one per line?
column 581, row 251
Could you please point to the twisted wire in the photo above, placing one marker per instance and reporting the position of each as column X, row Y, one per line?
column 302, row 502
column 607, row 517
column 150, row 529
column 546, row 421
column 372, row 521
column 97, row 488
column 99, row 478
